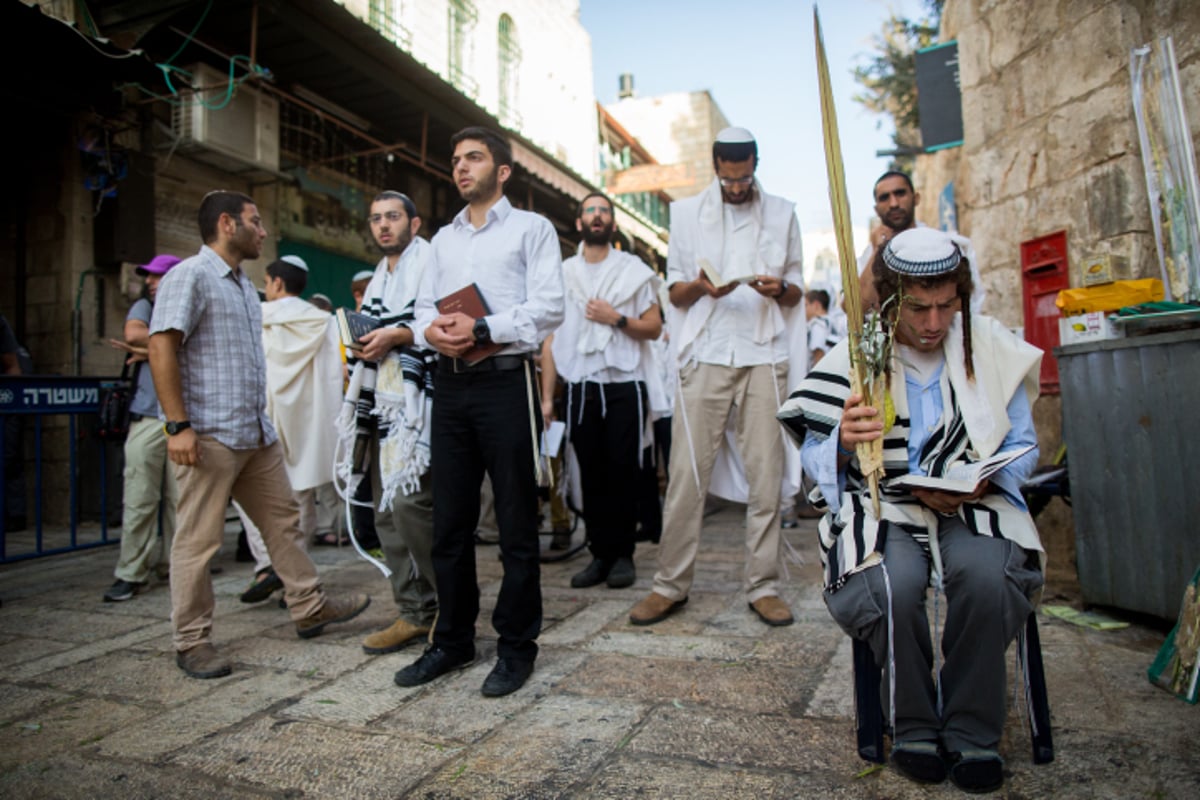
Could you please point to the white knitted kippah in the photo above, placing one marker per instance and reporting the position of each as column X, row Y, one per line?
column 295, row 261
column 922, row 252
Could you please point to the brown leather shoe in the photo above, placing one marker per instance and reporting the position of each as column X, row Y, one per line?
column 337, row 608
column 400, row 634
column 654, row 608
column 203, row 661
column 772, row 610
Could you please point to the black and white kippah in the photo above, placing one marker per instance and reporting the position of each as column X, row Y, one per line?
column 922, row 252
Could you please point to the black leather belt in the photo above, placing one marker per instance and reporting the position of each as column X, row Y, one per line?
column 136, row 417
column 489, row 364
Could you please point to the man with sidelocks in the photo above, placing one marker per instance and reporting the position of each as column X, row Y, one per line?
column 961, row 386
column 487, row 417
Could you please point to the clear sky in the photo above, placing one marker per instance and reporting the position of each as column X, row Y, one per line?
column 758, row 60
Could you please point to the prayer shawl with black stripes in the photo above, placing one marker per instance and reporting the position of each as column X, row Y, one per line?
column 394, row 396
column 974, row 424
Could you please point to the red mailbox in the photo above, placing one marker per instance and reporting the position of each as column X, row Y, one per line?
column 1043, row 275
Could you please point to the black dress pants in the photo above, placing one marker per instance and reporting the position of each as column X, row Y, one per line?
column 604, row 424
column 481, row 422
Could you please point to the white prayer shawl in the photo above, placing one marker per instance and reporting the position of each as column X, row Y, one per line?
column 304, row 387
column 397, row 390
column 698, row 235
column 580, row 341
column 1003, row 365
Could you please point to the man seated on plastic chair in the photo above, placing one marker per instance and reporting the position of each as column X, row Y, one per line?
column 961, row 390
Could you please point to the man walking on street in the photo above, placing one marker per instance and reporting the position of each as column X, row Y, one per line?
column 603, row 353
column 487, row 416
column 732, row 341
column 210, row 373
column 390, row 391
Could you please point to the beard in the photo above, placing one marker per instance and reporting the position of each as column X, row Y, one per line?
column 899, row 219
column 246, row 243
column 602, row 235
column 484, row 187
column 401, row 243
column 737, row 200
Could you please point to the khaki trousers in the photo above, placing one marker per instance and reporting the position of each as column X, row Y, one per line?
column 258, row 481
column 702, row 406
column 406, row 537
column 149, row 483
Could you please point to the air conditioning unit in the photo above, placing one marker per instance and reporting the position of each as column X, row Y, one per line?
column 230, row 133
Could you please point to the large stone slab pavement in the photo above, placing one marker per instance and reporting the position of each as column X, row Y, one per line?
column 708, row 704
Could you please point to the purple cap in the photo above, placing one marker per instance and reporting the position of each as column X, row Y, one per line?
column 158, row 265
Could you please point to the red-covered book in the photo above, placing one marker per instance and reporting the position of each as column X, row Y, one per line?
column 469, row 301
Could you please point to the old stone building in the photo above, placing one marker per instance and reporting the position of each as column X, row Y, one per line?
column 1050, row 144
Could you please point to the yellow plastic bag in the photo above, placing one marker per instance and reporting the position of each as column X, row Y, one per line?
column 1109, row 296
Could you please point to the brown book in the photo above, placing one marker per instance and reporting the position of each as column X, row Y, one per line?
column 469, row 301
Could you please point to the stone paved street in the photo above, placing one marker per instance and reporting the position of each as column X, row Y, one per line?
column 709, row 704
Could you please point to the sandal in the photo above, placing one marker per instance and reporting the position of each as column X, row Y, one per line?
column 330, row 539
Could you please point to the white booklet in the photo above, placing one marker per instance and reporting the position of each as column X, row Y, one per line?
column 963, row 477
column 715, row 278
column 552, row 438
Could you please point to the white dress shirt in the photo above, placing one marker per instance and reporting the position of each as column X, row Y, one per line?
column 515, row 260
column 728, row 337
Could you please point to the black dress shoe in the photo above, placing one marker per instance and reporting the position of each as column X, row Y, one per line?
column 591, row 575
column 919, row 761
column 433, row 663
column 622, row 574
column 506, row 677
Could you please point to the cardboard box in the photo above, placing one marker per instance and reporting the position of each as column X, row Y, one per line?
column 1093, row 327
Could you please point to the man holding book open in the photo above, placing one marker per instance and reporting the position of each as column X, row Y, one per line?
column 960, row 390
column 492, row 292
column 386, row 414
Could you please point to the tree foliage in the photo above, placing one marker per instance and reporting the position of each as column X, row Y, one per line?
column 889, row 78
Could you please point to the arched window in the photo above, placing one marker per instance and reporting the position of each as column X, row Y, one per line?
column 509, row 69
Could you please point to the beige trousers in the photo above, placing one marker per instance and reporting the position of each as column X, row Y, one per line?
column 707, row 393
column 149, row 483
column 258, row 481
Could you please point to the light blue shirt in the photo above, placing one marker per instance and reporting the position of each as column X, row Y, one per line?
column 925, row 408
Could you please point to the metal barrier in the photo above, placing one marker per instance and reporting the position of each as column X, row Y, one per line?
column 37, row 397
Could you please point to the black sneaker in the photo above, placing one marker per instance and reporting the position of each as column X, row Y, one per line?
column 506, row 677
column 121, row 590
column 591, row 575
column 433, row 663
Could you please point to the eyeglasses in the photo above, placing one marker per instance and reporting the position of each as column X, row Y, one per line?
column 390, row 216
column 598, row 210
column 727, row 182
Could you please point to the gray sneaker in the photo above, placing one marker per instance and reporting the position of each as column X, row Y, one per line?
column 121, row 590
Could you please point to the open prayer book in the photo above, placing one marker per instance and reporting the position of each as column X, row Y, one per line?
column 963, row 477
column 352, row 326
column 715, row 278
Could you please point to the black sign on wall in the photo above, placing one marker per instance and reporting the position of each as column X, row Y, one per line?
column 939, row 99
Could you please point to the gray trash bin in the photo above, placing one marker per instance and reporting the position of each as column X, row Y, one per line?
column 1131, row 422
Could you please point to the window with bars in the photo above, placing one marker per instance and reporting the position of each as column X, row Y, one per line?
column 462, row 16
column 385, row 16
column 509, row 70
